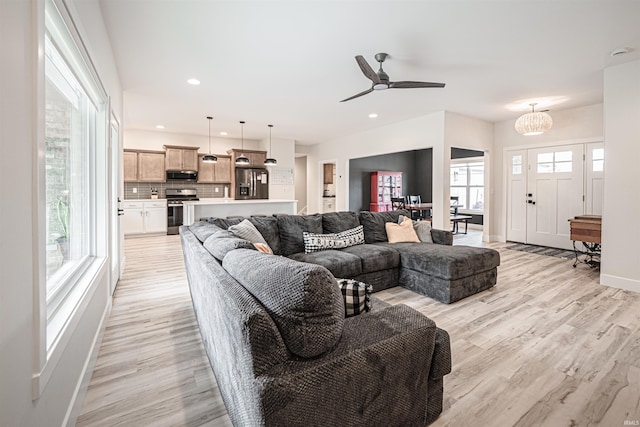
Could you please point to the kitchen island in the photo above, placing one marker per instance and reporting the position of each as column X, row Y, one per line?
column 222, row 208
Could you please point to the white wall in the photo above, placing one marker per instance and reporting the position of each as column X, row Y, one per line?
column 154, row 140
column 283, row 150
column 620, row 260
column 20, row 24
column 573, row 125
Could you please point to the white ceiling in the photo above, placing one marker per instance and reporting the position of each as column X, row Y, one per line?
column 289, row 63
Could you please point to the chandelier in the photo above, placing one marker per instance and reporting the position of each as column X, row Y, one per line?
column 533, row 123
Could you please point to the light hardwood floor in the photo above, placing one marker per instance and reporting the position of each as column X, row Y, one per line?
column 546, row 346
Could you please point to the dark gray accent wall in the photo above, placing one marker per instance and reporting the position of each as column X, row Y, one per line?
column 416, row 167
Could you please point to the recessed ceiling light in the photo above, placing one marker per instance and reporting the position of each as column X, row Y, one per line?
column 159, row 127
column 194, row 82
column 223, row 133
column 373, row 115
column 620, row 51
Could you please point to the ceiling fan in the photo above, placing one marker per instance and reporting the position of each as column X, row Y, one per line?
column 381, row 79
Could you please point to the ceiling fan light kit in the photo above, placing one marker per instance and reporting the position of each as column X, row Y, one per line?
column 380, row 80
column 209, row 158
column 533, row 123
column 269, row 161
column 242, row 160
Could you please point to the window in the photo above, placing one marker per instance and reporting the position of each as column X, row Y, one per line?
column 597, row 163
column 74, row 180
column 557, row 162
column 467, row 183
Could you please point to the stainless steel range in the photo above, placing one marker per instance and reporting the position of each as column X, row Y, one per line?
column 175, row 197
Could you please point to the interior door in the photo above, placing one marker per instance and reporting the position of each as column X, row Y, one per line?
column 555, row 193
column 517, row 196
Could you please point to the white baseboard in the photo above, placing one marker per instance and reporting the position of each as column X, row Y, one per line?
column 620, row 282
column 80, row 392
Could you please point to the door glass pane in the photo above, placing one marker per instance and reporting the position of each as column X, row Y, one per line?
column 545, row 167
column 564, row 156
column 563, row 166
column 598, row 165
column 598, row 153
column 516, row 169
column 545, row 157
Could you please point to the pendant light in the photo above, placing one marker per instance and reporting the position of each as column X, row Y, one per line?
column 209, row 158
column 269, row 161
column 534, row 123
column 242, row 160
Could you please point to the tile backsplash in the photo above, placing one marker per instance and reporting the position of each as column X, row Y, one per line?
column 204, row 191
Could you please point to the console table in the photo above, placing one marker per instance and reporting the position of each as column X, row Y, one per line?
column 588, row 230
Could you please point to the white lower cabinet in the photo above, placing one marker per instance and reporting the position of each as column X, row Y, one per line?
column 144, row 217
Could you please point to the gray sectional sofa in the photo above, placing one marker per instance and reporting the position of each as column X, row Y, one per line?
column 275, row 331
column 284, row 354
column 440, row 271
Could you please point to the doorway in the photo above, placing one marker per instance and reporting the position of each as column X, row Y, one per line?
column 549, row 185
column 300, row 184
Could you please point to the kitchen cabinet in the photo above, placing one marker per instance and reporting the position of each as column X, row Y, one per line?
column 256, row 157
column 384, row 186
column 143, row 165
column 328, row 204
column 144, row 217
column 181, row 158
column 215, row 173
column 328, row 173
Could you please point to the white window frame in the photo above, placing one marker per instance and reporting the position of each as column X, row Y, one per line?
column 467, row 161
column 56, row 320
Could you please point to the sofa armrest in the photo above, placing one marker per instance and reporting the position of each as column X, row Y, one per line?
column 378, row 374
column 441, row 362
column 442, row 237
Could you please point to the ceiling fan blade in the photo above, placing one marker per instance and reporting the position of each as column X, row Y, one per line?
column 367, row 70
column 359, row 94
column 409, row 85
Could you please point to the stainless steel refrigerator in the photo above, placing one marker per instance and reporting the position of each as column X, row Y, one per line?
column 252, row 183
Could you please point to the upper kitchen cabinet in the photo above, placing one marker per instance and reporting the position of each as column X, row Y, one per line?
column 256, row 158
column 181, row 158
column 215, row 173
column 143, row 165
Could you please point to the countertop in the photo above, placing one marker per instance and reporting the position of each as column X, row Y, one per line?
column 142, row 200
column 221, row 201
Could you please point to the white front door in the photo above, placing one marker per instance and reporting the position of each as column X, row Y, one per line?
column 555, row 193
column 517, row 196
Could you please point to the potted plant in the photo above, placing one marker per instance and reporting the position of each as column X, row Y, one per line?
column 62, row 208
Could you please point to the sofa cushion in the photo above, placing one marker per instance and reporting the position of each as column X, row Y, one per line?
column 335, row 222
column 267, row 226
column 223, row 242
column 303, row 299
column 314, row 242
column 422, row 228
column 373, row 224
column 202, row 230
column 356, row 295
column 291, row 228
column 341, row 264
column 404, row 232
column 446, row 262
column 247, row 231
column 375, row 257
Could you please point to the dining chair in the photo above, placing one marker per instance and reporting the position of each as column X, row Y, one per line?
column 398, row 203
column 413, row 200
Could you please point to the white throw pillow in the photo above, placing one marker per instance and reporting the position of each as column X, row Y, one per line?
column 314, row 242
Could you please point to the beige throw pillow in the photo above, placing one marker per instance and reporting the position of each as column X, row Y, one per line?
column 422, row 228
column 397, row 233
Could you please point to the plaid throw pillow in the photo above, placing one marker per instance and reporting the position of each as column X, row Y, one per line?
column 319, row 242
column 357, row 296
